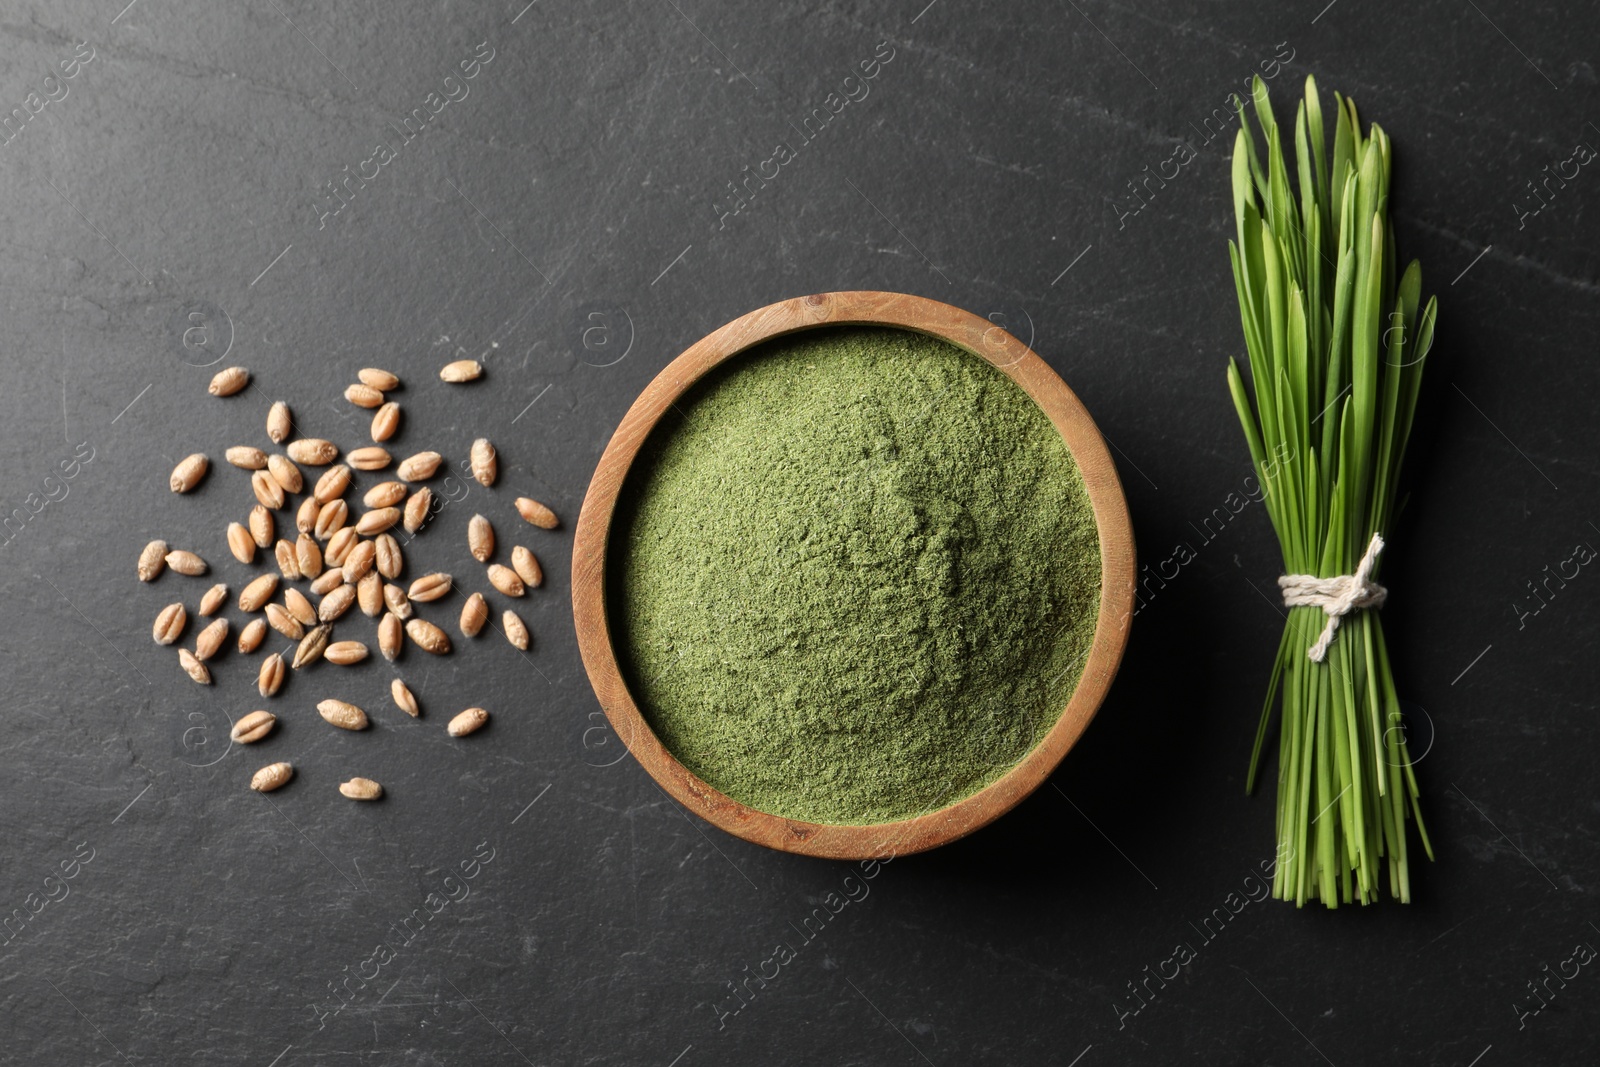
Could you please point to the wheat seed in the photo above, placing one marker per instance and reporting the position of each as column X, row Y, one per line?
column 279, row 422
column 185, row 562
column 417, row 509
column 361, row 789
column 340, row 546
column 279, row 618
column 344, row 715
column 404, row 699
column 246, row 457
column 152, row 561
column 189, row 472
column 283, row 620
column 305, row 519
column 369, row 594
column 362, row 395
column 417, row 468
column 253, row 727
column 390, row 634
column 209, row 641
column 250, row 638
column 262, row 526
column 385, row 421
column 328, row 581
column 213, row 599
column 309, row 555
column 378, row 379
column 298, row 606
column 468, row 722
column 390, row 561
column 375, row 522
column 516, row 632
column 526, row 564
column 272, row 776
column 385, row 494
column 240, row 543
column 428, row 637
column 345, row 653
column 228, row 382
column 397, row 601
column 537, row 513
column 336, row 603
column 312, row 451
column 267, row 490
column 285, row 473
column 288, row 561
column 331, row 518
column 358, row 562
column 506, row 580
column 270, row 679
column 462, row 370
column 474, row 613
column 371, row 458
column 485, row 464
column 253, row 596
column 331, row 486
column 480, row 538
column 429, row 587
column 193, row 667
column 311, row 647
column 169, row 624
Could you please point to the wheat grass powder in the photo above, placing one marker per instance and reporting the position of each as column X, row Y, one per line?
column 855, row 576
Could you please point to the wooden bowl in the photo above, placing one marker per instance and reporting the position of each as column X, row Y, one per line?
column 975, row 335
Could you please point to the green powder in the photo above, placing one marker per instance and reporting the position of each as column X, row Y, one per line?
column 856, row 576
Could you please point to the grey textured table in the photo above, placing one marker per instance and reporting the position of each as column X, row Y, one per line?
column 306, row 189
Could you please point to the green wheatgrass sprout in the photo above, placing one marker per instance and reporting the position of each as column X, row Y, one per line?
column 1336, row 349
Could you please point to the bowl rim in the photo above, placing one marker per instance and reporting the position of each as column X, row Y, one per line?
column 1066, row 412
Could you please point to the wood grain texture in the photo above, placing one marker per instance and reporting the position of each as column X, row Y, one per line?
column 1066, row 412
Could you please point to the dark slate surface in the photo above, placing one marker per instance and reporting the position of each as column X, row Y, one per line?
column 181, row 182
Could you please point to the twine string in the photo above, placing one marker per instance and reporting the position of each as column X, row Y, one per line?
column 1337, row 597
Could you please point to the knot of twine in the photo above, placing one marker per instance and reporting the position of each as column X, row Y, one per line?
column 1337, row 597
